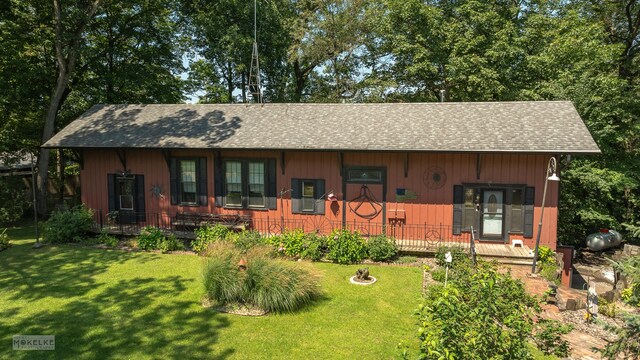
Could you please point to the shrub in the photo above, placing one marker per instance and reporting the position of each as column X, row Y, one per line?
column 549, row 271
column 607, row 308
column 245, row 240
column 267, row 283
column 105, row 238
column 482, row 314
column 68, row 225
column 546, row 255
column 630, row 267
column 549, row 339
column 14, row 199
column 346, row 247
column 4, row 240
column 206, row 235
column 458, row 255
column 381, row 248
column 627, row 346
column 314, row 247
column 170, row 243
column 150, row 238
column 290, row 243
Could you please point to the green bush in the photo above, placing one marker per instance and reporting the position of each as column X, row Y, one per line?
column 346, row 247
column 150, row 238
column 630, row 267
column 548, row 337
column 105, row 238
column 381, row 248
column 14, row 199
column 627, row 345
column 458, row 255
column 267, row 283
column 549, row 271
column 289, row 243
column 206, row 235
column 68, row 225
column 481, row 314
column 4, row 240
column 546, row 255
column 314, row 247
column 246, row 239
column 170, row 243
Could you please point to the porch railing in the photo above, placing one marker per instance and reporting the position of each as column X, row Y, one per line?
column 409, row 237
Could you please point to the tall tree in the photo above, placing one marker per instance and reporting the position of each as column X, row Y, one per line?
column 69, row 29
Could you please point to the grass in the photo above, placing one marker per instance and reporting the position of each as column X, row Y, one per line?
column 115, row 304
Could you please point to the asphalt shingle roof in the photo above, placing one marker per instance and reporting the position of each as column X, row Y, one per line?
column 536, row 126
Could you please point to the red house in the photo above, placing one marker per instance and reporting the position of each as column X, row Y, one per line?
column 422, row 172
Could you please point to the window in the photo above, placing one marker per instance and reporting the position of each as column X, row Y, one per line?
column 307, row 196
column 188, row 181
column 256, row 184
column 126, row 193
column 248, row 184
column 364, row 175
column 233, row 177
column 188, row 193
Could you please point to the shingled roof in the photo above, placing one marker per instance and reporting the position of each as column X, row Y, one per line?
column 537, row 127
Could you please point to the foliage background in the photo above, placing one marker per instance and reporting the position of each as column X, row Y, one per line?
column 585, row 51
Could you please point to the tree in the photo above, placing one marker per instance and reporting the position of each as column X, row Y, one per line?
column 69, row 34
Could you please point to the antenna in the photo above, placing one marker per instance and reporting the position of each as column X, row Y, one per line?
column 254, row 72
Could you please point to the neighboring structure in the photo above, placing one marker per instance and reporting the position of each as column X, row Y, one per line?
column 418, row 170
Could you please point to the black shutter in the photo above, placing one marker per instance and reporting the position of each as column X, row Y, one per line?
column 202, row 181
column 272, row 197
column 296, row 195
column 217, row 182
column 529, row 196
column 140, row 209
column 319, row 188
column 111, row 185
column 458, row 203
column 173, row 174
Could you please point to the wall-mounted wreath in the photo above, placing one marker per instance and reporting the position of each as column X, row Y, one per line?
column 434, row 177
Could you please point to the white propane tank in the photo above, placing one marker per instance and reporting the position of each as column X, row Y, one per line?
column 603, row 240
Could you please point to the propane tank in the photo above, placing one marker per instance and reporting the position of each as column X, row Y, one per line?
column 604, row 239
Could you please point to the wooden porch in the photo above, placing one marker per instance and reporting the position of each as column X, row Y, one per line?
column 502, row 253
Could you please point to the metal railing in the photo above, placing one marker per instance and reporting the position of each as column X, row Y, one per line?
column 409, row 237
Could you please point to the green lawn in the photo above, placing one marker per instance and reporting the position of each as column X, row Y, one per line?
column 115, row 304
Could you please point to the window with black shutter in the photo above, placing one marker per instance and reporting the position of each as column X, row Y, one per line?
column 126, row 197
column 188, row 181
column 307, row 196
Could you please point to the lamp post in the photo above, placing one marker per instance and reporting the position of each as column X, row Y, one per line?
column 551, row 169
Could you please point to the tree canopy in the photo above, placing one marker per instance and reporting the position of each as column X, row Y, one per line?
column 56, row 61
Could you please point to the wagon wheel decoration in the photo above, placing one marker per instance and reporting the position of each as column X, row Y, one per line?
column 318, row 225
column 434, row 177
column 432, row 237
column 275, row 229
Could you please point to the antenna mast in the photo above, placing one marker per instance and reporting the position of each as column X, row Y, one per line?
column 254, row 72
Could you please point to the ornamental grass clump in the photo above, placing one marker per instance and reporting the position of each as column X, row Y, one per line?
column 253, row 278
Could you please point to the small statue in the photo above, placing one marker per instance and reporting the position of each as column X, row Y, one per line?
column 363, row 274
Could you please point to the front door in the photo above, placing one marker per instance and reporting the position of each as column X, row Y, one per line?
column 126, row 198
column 492, row 218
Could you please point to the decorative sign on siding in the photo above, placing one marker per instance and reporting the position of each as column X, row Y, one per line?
column 403, row 195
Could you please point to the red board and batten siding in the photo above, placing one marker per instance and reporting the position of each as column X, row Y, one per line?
column 431, row 206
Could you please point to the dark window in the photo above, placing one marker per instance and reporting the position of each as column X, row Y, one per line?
column 125, row 189
column 307, row 196
column 188, row 181
column 249, row 184
column 471, row 198
column 364, row 175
